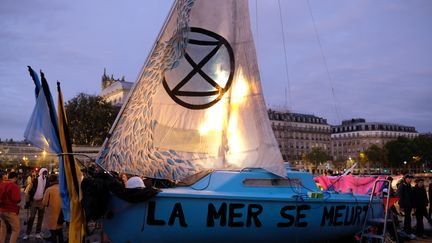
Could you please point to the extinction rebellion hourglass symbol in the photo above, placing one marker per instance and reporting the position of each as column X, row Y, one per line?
column 195, row 83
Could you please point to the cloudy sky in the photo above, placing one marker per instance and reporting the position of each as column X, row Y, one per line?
column 375, row 61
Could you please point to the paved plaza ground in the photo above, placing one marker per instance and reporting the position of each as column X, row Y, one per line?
column 23, row 216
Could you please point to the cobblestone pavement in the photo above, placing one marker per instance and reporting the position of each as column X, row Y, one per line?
column 428, row 230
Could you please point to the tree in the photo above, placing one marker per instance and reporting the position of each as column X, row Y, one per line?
column 317, row 155
column 89, row 119
column 376, row 155
column 398, row 151
column 422, row 150
column 340, row 163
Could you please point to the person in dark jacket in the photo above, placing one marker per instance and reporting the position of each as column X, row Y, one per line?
column 420, row 203
column 406, row 204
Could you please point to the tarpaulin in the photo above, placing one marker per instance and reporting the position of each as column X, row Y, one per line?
column 358, row 184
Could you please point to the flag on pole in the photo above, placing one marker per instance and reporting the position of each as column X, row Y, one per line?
column 42, row 129
column 36, row 80
column 73, row 176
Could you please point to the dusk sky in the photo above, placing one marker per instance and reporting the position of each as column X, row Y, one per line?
column 378, row 54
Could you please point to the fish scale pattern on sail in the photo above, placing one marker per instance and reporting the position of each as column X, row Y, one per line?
column 198, row 102
column 134, row 129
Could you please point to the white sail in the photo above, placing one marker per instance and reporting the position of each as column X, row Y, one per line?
column 198, row 102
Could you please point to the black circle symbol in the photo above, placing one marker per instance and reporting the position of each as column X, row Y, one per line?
column 205, row 98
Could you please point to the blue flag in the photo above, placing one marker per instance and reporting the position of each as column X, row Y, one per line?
column 42, row 131
column 36, row 81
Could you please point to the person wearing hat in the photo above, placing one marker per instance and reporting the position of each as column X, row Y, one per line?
column 406, row 203
column 420, row 203
column 135, row 182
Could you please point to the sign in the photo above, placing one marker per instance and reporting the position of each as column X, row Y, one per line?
column 237, row 215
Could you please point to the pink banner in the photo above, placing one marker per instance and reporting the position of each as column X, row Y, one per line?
column 358, row 184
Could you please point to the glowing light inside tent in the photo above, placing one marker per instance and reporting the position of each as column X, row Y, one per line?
column 215, row 115
column 240, row 90
column 239, row 95
column 213, row 119
column 224, row 117
column 221, row 75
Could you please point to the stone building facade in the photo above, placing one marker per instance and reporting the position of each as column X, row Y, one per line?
column 354, row 136
column 297, row 134
column 17, row 154
column 115, row 91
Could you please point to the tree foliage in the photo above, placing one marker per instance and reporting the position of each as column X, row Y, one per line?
column 398, row 151
column 317, row 155
column 422, row 149
column 376, row 155
column 89, row 119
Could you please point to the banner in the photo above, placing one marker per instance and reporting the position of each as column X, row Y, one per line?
column 356, row 184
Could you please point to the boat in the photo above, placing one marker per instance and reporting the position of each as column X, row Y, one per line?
column 196, row 117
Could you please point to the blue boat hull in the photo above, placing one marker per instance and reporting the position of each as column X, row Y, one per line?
column 194, row 215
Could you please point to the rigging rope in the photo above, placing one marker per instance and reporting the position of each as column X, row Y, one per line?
column 256, row 24
column 286, row 59
column 325, row 62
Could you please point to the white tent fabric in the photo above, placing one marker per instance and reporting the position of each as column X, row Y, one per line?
column 198, row 102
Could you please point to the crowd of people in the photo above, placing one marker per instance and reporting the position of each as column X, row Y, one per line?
column 39, row 194
column 414, row 200
column 42, row 200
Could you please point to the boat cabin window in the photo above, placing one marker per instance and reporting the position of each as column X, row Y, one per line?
column 167, row 183
column 190, row 180
column 280, row 182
